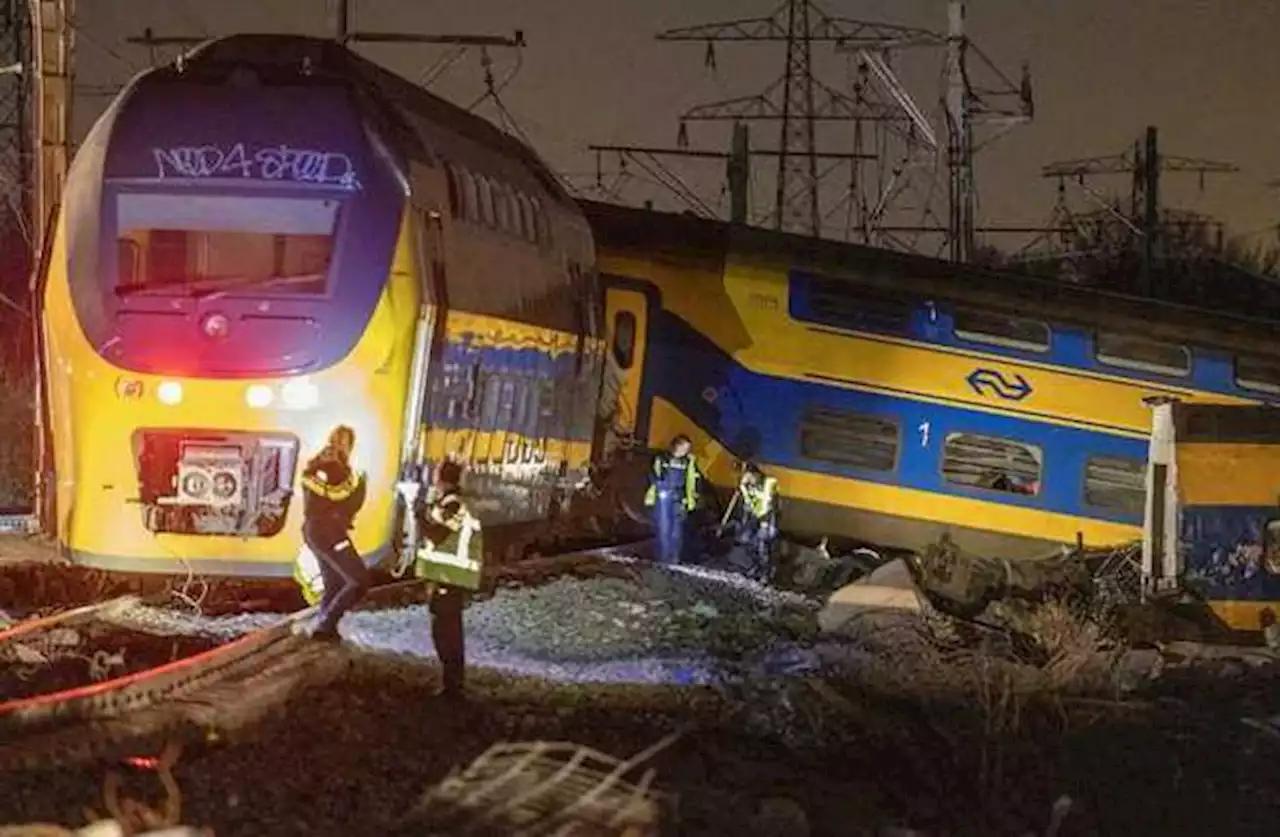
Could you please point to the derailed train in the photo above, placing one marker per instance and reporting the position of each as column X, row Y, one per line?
column 275, row 236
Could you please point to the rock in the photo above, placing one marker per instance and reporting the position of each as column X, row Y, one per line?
column 887, row 589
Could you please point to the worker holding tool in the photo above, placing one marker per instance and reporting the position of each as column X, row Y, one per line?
column 333, row 493
column 450, row 559
column 756, row 505
column 672, row 494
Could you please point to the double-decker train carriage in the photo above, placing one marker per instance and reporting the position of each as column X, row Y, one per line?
column 896, row 397
column 273, row 236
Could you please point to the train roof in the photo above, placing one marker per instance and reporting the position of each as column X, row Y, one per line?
column 283, row 58
column 686, row 236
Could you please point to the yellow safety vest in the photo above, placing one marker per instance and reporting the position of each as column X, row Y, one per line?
column 458, row 560
column 759, row 498
column 690, row 480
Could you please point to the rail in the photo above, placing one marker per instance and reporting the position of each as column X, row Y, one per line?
column 90, row 721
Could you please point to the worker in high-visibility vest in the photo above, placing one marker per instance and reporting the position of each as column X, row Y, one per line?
column 672, row 494
column 758, row 519
column 332, row 493
column 450, row 559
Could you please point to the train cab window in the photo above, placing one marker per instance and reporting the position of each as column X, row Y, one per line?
column 470, row 197
column 994, row 464
column 1127, row 352
column 1000, row 330
column 486, row 201
column 854, row 440
column 271, row 245
column 128, row 262
column 455, row 196
column 1117, row 483
column 1260, row 374
column 624, row 338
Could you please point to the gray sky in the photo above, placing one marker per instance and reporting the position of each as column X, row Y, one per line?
column 1204, row 71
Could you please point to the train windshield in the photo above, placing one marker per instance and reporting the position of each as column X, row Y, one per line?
column 201, row 245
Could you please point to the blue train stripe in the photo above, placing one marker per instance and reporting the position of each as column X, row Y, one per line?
column 759, row 416
column 933, row 325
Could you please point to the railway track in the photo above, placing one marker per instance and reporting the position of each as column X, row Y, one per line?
column 103, row 704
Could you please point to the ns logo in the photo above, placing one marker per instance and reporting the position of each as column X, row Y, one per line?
column 994, row 383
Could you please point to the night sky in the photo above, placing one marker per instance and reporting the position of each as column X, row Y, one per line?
column 1206, row 73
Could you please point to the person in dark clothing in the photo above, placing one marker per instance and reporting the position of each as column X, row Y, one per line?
column 673, row 494
column 451, row 560
column 332, row 495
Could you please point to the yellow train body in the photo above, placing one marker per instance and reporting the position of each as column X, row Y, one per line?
column 96, row 408
column 218, row 297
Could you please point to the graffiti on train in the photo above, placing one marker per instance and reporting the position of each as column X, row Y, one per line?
column 993, row 382
column 277, row 162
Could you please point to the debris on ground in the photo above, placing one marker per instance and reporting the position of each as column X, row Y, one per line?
column 541, row 787
column 1039, row 717
column 63, row 658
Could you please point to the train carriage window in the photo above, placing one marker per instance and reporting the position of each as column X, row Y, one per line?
column 857, row 308
column 995, row 464
column 1116, row 482
column 470, row 197
column 1256, row 373
column 540, row 224
column 492, row 401
column 526, row 219
column 851, row 439
column 502, row 217
column 624, row 338
column 507, row 403
column 1140, row 353
column 486, row 201
column 514, row 225
column 1000, row 330
column 455, row 196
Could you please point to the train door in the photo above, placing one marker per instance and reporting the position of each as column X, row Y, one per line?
column 626, row 317
column 426, row 374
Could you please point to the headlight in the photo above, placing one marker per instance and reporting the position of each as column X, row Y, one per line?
column 169, row 392
column 225, row 485
column 300, row 394
column 195, row 484
column 258, row 396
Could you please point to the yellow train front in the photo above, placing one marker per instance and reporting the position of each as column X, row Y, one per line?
column 273, row 237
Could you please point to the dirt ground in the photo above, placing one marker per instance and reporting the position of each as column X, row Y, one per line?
column 352, row 757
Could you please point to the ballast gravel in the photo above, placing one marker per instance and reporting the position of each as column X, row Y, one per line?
column 654, row 625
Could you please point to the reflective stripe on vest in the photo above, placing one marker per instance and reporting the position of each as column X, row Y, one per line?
column 458, row 559
column 306, row 572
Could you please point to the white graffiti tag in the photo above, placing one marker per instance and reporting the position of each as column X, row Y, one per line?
column 280, row 162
